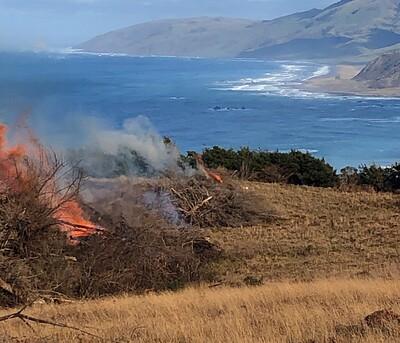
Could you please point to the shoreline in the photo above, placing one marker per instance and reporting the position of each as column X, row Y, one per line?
column 340, row 82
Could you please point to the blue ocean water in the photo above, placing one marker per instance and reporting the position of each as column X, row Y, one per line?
column 199, row 103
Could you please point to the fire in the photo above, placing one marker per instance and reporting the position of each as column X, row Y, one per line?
column 14, row 175
column 8, row 154
column 216, row 177
column 72, row 218
column 207, row 173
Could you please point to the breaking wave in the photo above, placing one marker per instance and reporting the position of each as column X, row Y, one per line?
column 72, row 51
column 285, row 81
column 325, row 70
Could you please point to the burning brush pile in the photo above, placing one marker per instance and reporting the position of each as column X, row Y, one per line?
column 209, row 201
column 49, row 249
column 132, row 239
column 203, row 203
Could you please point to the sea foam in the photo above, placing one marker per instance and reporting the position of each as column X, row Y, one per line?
column 285, row 81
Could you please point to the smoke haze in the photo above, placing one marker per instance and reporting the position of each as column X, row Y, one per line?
column 135, row 149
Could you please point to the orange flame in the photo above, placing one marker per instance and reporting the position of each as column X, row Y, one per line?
column 8, row 154
column 216, row 177
column 207, row 173
column 70, row 216
column 74, row 222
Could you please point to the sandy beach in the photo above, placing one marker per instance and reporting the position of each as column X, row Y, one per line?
column 340, row 81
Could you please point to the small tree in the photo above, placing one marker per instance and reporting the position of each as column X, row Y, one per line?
column 373, row 176
column 392, row 181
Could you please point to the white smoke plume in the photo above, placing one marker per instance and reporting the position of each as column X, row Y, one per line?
column 135, row 149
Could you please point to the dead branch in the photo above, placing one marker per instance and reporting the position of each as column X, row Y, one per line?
column 82, row 227
column 26, row 319
column 203, row 203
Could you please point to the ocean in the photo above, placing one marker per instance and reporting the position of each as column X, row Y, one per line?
column 198, row 103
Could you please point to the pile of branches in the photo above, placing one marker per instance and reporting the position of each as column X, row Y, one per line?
column 32, row 246
column 142, row 249
column 136, row 260
column 138, row 251
column 132, row 258
column 30, row 198
column 203, row 203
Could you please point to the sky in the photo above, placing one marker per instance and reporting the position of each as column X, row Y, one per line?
column 46, row 24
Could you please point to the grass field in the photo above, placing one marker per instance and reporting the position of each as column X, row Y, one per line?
column 278, row 312
column 327, row 261
column 321, row 233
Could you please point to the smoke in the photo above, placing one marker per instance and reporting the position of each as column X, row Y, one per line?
column 100, row 149
column 138, row 135
column 136, row 149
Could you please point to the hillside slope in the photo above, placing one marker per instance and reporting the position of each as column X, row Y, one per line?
column 318, row 312
column 345, row 245
column 321, row 233
column 347, row 28
column 382, row 72
column 207, row 37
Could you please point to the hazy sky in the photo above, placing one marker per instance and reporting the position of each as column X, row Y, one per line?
column 27, row 24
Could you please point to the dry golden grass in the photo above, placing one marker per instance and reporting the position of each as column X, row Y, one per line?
column 323, row 233
column 281, row 312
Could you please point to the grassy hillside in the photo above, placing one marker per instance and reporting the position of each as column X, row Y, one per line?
column 382, row 72
column 328, row 260
column 345, row 29
column 326, row 311
column 321, row 233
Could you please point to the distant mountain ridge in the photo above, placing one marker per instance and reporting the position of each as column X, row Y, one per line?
column 205, row 37
column 344, row 29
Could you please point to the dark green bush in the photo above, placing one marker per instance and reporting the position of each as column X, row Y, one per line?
column 379, row 178
column 373, row 176
column 294, row 167
column 392, row 181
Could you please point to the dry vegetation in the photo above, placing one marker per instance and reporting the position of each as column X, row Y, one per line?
column 316, row 234
column 45, row 255
column 321, row 312
column 204, row 203
column 322, row 233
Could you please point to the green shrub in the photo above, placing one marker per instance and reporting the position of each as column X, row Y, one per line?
column 373, row 176
column 392, row 181
column 294, row 167
column 379, row 178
